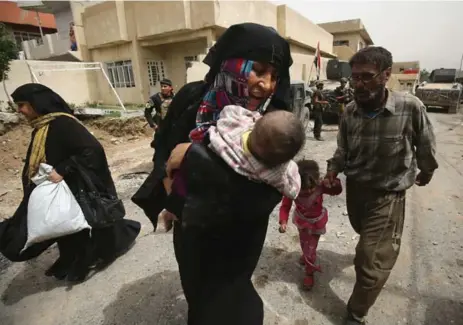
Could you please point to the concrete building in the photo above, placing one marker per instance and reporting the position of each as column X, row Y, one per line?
column 138, row 53
column 57, row 46
column 406, row 74
column 349, row 36
column 25, row 25
column 141, row 42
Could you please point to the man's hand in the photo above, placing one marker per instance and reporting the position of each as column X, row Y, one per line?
column 283, row 227
column 423, row 179
column 330, row 179
column 54, row 177
column 176, row 157
column 154, row 127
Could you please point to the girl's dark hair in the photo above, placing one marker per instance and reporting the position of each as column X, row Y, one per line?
column 376, row 55
column 310, row 173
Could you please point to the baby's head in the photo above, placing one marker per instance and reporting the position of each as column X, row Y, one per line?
column 276, row 138
column 310, row 173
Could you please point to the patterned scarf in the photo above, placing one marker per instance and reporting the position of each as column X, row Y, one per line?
column 37, row 155
column 230, row 87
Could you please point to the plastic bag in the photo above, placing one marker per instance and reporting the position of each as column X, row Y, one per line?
column 52, row 210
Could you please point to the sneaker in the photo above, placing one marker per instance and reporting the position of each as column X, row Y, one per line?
column 308, row 282
column 319, row 139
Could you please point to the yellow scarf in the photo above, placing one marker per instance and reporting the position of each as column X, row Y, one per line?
column 37, row 155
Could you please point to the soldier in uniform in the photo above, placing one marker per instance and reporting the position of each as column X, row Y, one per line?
column 319, row 103
column 159, row 102
column 343, row 95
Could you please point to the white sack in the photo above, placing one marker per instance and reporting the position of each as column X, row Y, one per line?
column 52, row 210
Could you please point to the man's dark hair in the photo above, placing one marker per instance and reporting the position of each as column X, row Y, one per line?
column 279, row 135
column 310, row 173
column 376, row 55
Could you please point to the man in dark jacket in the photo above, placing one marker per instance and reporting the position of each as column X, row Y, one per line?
column 160, row 103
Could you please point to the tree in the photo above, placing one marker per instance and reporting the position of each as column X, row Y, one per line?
column 8, row 52
column 424, row 75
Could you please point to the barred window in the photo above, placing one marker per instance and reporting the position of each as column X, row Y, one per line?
column 120, row 74
column 156, row 72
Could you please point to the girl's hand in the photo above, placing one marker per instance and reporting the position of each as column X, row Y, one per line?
column 176, row 157
column 168, row 218
column 54, row 177
column 282, row 229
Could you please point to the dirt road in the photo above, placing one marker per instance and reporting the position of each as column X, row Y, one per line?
column 142, row 287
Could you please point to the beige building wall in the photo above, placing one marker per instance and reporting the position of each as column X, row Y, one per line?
column 343, row 52
column 399, row 67
column 185, row 29
column 71, row 85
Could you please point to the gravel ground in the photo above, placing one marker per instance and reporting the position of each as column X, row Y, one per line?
column 142, row 287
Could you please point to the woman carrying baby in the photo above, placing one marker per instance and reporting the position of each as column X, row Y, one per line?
column 223, row 221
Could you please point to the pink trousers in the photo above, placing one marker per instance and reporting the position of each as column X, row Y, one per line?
column 309, row 243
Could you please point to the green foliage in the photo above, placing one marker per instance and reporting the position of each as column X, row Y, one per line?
column 8, row 51
column 424, row 75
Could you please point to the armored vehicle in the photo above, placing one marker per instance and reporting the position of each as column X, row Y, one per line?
column 441, row 90
column 335, row 71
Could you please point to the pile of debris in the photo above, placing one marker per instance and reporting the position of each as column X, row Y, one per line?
column 119, row 127
column 8, row 121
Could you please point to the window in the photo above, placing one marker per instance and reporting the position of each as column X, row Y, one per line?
column 20, row 36
column 156, row 72
column 189, row 59
column 339, row 43
column 120, row 74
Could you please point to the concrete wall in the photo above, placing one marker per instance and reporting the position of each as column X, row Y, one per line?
column 71, row 85
column 354, row 40
column 63, row 18
column 296, row 27
column 302, row 64
column 343, row 52
column 104, row 92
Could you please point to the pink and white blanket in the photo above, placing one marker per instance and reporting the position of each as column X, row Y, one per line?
column 226, row 140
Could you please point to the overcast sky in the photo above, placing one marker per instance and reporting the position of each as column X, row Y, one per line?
column 428, row 31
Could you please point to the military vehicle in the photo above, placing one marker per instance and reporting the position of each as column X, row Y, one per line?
column 441, row 90
column 299, row 101
column 335, row 71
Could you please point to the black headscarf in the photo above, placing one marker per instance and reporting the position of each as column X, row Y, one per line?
column 258, row 43
column 42, row 99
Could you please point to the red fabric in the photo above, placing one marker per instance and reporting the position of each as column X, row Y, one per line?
column 313, row 217
column 309, row 243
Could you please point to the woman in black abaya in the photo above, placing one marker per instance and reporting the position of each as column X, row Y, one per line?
column 223, row 222
column 59, row 139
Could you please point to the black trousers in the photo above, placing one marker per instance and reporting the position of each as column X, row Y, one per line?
column 318, row 122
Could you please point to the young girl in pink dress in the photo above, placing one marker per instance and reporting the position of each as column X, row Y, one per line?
column 310, row 217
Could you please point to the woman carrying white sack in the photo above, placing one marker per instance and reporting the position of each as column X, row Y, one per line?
column 60, row 140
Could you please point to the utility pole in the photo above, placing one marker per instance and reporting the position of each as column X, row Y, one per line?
column 40, row 24
column 457, row 75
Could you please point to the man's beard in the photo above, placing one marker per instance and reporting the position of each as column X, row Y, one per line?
column 373, row 101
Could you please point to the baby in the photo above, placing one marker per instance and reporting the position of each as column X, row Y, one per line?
column 258, row 147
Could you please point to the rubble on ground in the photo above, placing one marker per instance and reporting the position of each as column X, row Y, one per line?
column 119, row 127
column 8, row 121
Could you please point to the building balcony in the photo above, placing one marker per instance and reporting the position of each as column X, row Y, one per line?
column 105, row 24
column 53, row 48
column 174, row 17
